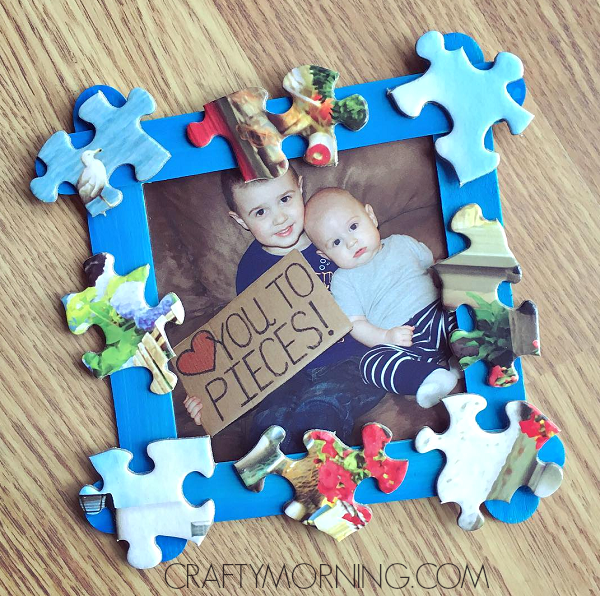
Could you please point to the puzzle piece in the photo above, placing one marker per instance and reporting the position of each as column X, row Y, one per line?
column 135, row 332
column 481, row 465
column 122, row 140
column 255, row 135
column 475, row 100
column 325, row 480
column 152, row 504
column 472, row 277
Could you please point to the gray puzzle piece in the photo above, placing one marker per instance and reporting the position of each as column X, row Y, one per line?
column 118, row 134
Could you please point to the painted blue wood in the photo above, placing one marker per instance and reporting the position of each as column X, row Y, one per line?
column 385, row 125
column 143, row 416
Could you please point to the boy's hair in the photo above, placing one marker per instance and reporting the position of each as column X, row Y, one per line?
column 233, row 179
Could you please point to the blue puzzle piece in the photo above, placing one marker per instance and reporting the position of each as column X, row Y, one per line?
column 474, row 98
column 122, row 140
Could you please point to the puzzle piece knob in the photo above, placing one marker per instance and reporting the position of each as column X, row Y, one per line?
column 352, row 112
column 426, row 440
column 199, row 134
column 430, row 44
column 546, row 479
column 264, row 459
column 321, row 148
column 508, row 67
column 470, row 520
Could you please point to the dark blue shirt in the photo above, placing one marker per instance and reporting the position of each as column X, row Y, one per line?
column 257, row 261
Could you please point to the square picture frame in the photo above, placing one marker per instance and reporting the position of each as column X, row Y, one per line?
column 143, row 417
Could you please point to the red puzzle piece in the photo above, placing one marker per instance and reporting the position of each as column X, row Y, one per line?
column 325, row 480
column 255, row 135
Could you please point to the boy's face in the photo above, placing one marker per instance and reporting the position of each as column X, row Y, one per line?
column 342, row 228
column 273, row 211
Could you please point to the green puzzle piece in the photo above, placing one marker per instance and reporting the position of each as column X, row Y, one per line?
column 134, row 331
column 472, row 277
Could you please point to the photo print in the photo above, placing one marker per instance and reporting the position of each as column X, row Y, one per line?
column 282, row 348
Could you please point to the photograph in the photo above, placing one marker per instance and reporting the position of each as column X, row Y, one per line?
column 292, row 298
column 370, row 228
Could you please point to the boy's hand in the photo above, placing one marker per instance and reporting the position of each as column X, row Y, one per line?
column 193, row 405
column 400, row 336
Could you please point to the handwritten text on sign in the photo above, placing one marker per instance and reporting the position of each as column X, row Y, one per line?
column 267, row 334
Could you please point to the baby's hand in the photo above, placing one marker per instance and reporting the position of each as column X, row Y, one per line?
column 400, row 336
column 193, row 405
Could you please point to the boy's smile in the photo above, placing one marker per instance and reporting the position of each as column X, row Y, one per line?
column 273, row 211
column 286, row 231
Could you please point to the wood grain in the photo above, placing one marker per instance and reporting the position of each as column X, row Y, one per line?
column 53, row 415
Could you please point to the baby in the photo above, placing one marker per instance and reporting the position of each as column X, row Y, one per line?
column 385, row 289
column 327, row 393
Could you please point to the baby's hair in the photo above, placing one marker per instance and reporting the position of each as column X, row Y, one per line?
column 324, row 189
column 232, row 179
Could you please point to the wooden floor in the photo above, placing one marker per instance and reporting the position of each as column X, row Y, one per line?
column 186, row 53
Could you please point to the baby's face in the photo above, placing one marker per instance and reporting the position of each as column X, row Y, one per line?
column 342, row 228
column 272, row 210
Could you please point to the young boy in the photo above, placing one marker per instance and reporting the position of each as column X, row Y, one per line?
column 385, row 289
column 327, row 393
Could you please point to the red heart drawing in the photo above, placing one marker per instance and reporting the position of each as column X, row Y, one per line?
column 201, row 358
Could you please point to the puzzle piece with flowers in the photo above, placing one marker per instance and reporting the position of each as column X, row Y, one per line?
column 134, row 331
column 325, row 480
column 119, row 140
column 152, row 504
column 475, row 99
column 482, row 465
column 255, row 135
column 472, row 277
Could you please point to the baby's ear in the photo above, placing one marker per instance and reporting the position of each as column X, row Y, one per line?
column 322, row 254
column 371, row 214
column 300, row 183
column 238, row 219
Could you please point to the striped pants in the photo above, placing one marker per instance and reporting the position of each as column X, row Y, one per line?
column 402, row 370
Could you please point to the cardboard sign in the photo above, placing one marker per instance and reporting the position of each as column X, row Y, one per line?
column 277, row 326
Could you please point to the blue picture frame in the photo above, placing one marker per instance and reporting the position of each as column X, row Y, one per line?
column 143, row 417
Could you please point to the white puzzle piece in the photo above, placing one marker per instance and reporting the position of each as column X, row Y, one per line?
column 475, row 100
column 482, row 465
column 141, row 525
column 152, row 504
